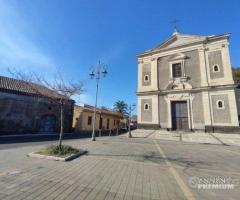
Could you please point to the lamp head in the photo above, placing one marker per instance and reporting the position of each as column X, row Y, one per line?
column 91, row 74
column 104, row 71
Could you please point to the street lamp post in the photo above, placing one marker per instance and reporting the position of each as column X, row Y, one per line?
column 130, row 109
column 100, row 68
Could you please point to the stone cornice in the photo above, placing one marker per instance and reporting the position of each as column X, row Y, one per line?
column 150, row 53
column 200, row 89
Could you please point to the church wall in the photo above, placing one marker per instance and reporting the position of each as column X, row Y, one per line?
column 215, row 58
column 237, row 93
column 163, row 112
column 225, row 116
column 198, row 115
column 163, row 72
column 192, row 68
column 146, row 114
column 146, row 71
column 221, row 115
column 148, row 118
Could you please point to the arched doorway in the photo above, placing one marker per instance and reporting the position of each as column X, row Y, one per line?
column 48, row 124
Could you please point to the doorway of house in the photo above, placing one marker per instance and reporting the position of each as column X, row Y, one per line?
column 48, row 124
column 179, row 115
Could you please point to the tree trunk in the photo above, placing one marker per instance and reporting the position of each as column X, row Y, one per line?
column 62, row 126
column 129, row 127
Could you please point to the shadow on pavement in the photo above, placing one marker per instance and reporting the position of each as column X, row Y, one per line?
column 154, row 157
column 51, row 137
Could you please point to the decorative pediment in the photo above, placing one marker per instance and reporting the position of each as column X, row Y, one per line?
column 179, row 40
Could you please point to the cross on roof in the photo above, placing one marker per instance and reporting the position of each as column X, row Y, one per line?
column 174, row 22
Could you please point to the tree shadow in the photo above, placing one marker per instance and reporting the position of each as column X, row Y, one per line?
column 154, row 157
column 28, row 138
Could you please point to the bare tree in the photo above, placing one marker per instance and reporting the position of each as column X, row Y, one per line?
column 57, row 91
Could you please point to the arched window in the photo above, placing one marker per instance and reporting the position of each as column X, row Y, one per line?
column 146, row 106
column 146, row 78
column 216, row 68
column 220, row 104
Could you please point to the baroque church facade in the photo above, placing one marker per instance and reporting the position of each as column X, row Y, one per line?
column 186, row 83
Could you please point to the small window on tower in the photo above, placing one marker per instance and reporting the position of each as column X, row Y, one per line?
column 146, row 106
column 216, row 68
column 146, row 78
column 220, row 104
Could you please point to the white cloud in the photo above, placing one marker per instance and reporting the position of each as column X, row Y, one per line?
column 17, row 50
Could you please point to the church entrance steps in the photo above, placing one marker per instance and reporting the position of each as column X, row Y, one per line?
column 194, row 137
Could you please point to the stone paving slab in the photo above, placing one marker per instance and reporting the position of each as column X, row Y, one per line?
column 117, row 168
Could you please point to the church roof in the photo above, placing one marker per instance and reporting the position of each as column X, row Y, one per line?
column 178, row 39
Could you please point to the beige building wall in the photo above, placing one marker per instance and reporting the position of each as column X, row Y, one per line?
column 110, row 121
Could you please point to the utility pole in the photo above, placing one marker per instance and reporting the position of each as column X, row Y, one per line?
column 130, row 108
column 100, row 69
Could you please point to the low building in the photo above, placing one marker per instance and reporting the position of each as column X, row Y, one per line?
column 105, row 119
column 24, row 110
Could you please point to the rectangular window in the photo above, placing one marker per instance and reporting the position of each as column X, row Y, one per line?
column 176, row 70
column 114, row 122
column 89, row 120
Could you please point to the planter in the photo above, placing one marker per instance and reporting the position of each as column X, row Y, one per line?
column 56, row 158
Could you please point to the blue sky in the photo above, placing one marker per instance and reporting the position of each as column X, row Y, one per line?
column 71, row 36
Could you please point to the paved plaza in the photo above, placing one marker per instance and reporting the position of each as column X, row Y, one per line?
column 138, row 168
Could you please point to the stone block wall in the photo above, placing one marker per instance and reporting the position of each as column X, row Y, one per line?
column 28, row 114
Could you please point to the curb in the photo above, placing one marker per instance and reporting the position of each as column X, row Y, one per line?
column 68, row 158
column 33, row 135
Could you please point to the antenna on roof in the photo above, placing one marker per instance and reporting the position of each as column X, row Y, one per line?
column 175, row 29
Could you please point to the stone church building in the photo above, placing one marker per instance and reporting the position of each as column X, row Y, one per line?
column 186, row 83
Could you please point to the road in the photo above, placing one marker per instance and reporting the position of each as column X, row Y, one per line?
column 121, row 168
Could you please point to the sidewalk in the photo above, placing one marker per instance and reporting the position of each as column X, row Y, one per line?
column 196, row 137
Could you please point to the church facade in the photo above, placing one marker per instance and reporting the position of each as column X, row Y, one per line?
column 186, row 83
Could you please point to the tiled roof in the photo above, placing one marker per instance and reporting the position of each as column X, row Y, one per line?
column 90, row 108
column 19, row 86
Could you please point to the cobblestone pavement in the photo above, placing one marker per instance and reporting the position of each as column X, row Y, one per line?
column 120, row 168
